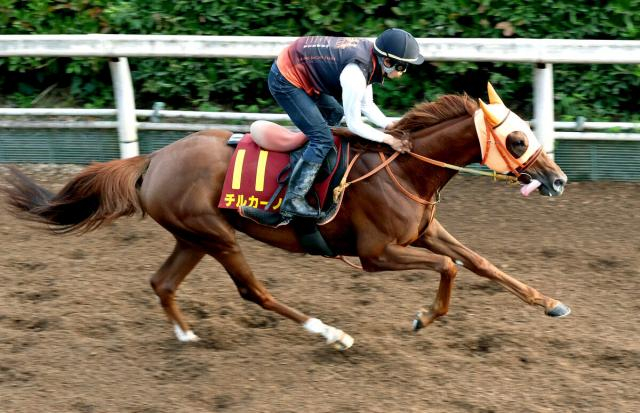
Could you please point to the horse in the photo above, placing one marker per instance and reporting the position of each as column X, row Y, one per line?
column 387, row 219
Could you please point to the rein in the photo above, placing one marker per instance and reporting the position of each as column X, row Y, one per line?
column 492, row 174
column 338, row 191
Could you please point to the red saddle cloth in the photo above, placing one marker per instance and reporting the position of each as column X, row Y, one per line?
column 252, row 177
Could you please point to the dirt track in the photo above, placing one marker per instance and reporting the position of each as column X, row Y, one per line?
column 81, row 330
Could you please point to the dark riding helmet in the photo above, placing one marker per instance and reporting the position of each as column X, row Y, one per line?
column 398, row 45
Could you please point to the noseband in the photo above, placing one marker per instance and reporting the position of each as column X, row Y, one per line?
column 515, row 166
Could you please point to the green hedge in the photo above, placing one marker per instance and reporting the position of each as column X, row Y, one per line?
column 598, row 92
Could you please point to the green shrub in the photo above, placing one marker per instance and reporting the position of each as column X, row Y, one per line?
column 602, row 92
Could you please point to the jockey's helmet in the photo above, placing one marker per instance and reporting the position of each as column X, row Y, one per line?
column 398, row 45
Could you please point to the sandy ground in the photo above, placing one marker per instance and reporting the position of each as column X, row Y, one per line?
column 81, row 330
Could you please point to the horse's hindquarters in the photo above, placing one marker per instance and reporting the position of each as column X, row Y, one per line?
column 185, row 178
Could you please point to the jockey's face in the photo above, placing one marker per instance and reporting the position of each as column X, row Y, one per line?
column 393, row 69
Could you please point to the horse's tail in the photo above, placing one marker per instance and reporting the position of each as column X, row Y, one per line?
column 97, row 195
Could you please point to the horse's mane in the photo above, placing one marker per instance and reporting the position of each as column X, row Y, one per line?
column 419, row 117
column 428, row 114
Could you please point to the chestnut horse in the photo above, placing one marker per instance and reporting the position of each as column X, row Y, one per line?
column 386, row 220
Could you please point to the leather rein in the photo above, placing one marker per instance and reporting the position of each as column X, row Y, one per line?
column 385, row 165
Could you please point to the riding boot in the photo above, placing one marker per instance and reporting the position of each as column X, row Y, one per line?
column 300, row 181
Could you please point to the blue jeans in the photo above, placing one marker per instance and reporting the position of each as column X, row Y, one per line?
column 312, row 115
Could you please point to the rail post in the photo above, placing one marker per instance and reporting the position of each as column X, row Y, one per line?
column 543, row 106
column 126, row 107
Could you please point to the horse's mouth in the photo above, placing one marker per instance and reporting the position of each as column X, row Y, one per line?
column 529, row 187
column 543, row 187
column 545, row 191
column 552, row 185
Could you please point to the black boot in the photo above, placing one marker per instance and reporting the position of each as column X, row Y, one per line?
column 294, row 203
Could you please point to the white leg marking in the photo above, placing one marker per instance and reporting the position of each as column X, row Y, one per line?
column 338, row 338
column 183, row 336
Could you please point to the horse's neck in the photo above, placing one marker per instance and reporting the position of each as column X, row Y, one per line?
column 454, row 142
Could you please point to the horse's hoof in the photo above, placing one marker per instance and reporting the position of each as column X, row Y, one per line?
column 417, row 323
column 559, row 310
column 343, row 343
column 185, row 336
column 335, row 337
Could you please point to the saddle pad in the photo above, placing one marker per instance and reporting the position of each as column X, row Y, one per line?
column 253, row 176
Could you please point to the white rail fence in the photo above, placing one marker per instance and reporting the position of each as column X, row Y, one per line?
column 541, row 53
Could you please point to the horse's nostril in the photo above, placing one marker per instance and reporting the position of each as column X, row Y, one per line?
column 558, row 184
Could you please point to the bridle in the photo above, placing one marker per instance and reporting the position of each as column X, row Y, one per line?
column 517, row 170
column 516, row 167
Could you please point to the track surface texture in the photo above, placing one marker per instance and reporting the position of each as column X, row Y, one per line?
column 82, row 331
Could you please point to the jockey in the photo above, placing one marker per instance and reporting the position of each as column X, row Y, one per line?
column 311, row 73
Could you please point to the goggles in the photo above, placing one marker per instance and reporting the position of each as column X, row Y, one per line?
column 400, row 66
column 397, row 66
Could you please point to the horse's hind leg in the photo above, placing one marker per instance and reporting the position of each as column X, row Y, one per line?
column 166, row 280
column 217, row 238
column 253, row 290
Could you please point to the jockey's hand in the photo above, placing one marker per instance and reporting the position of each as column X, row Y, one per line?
column 398, row 145
column 391, row 125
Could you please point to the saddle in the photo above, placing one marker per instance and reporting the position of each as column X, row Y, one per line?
column 258, row 174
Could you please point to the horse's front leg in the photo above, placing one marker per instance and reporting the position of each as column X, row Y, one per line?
column 396, row 257
column 438, row 240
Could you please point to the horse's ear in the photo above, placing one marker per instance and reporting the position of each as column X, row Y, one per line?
column 493, row 96
column 488, row 115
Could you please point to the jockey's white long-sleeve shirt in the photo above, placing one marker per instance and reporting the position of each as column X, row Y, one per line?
column 357, row 99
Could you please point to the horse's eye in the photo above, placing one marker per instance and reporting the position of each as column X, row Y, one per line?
column 517, row 144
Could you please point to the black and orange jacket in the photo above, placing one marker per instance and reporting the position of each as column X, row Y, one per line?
column 314, row 63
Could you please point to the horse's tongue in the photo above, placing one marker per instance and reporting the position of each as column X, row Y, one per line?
column 530, row 187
